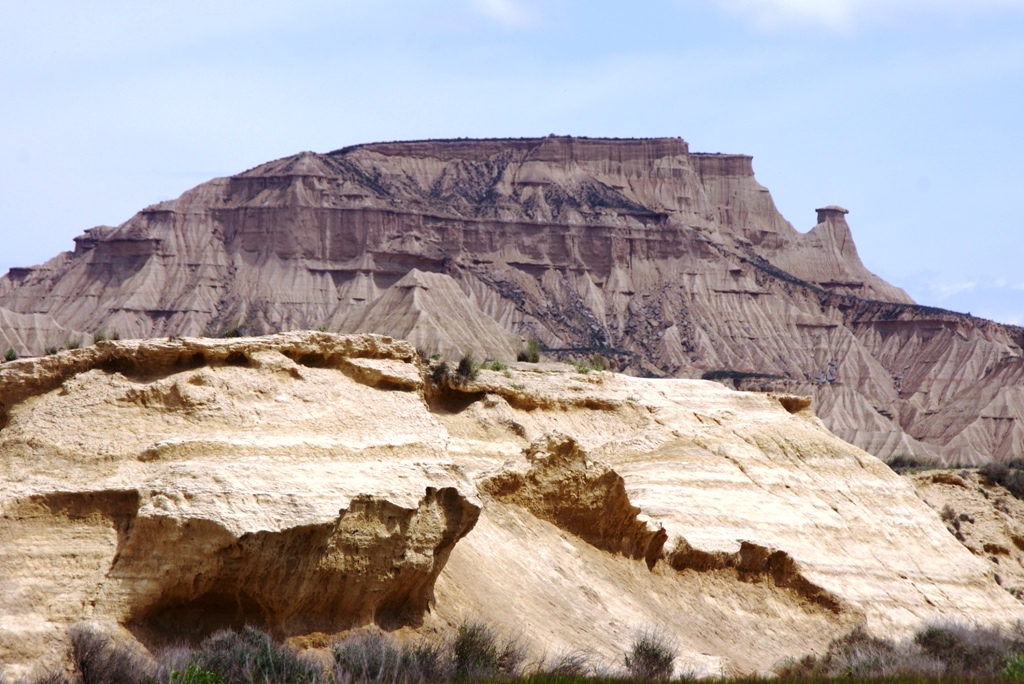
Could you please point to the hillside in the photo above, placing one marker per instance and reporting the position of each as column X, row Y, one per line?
column 669, row 263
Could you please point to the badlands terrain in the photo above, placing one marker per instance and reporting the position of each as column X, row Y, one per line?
column 310, row 483
column 669, row 263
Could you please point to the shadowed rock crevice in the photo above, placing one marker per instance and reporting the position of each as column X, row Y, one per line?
column 755, row 563
column 375, row 564
column 564, row 487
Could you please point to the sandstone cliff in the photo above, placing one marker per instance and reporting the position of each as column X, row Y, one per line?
column 669, row 262
column 309, row 483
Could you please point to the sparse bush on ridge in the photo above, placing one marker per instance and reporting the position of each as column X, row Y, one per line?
column 532, row 352
column 468, row 368
column 1009, row 476
column 439, row 373
column 904, row 463
column 10, row 354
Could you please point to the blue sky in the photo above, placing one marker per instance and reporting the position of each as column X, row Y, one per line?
column 907, row 112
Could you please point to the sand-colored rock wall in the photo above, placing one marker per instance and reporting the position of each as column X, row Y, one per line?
column 310, row 483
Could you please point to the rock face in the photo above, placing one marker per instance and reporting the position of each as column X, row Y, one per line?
column 309, row 483
column 669, row 262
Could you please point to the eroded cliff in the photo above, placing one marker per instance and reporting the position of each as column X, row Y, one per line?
column 309, row 483
column 670, row 263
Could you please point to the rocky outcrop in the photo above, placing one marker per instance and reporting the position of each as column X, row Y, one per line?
column 986, row 518
column 587, row 499
column 310, row 483
column 668, row 262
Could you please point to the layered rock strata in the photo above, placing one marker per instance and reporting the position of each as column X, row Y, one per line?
column 669, row 262
column 309, row 483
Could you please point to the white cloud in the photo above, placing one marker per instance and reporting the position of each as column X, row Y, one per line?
column 945, row 290
column 845, row 15
column 508, row 13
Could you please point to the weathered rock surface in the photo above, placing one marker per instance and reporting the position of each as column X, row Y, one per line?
column 984, row 516
column 671, row 262
column 309, row 483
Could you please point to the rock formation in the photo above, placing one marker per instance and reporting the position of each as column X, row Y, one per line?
column 309, row 483
column 668, row 262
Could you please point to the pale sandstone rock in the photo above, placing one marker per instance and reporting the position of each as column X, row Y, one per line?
column 986, row 516
column 310, row 483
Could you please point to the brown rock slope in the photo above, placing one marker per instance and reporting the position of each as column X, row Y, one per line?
column 670, row 262
column 309, row 483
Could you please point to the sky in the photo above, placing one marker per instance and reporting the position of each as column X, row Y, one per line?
column 908, row 113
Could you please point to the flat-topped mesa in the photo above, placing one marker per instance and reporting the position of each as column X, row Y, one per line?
column 552, row 149
column 671, row 262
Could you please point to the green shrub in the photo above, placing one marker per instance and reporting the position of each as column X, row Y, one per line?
column 10, row 354
column 468, row 368
column 194, row 674
column 1005, row 476
column 945, row 652
column 532, row 352
column 477, row 652
column 51, row 350
column 570, row 665
column 651, row 656
column 904, row 463
column 731, row 374
column 375, row 657
column 1015, row 667
column 253, row 656
column 968, row 651
column 495, row 366
column 99, row 336
column 98, row 660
